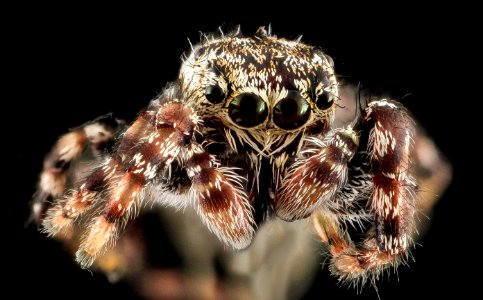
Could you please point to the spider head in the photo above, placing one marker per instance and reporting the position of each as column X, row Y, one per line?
column 263, row 89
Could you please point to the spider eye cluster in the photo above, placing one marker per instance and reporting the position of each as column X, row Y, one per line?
column 249, row 110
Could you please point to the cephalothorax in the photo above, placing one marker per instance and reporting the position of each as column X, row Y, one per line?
column 246, row 133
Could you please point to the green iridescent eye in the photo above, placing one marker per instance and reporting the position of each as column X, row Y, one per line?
column 291, row 112
column 248, row 110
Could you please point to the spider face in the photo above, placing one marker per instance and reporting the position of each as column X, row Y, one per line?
column 244, row 135
column 264, row 90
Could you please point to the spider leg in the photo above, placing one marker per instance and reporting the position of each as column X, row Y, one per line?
column 390, row 145
column 74, row 203
column 146, row 149
column 353, row 263
column 389, row 189
column 91, row 139
column 53, row 178
column 317, row 176
column 110, row 195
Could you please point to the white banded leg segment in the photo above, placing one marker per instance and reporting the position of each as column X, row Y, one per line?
column 153, row 149
column 104, row 229
column 390, row 144
column 96, row 136
column 61, row 217
column 53, row 179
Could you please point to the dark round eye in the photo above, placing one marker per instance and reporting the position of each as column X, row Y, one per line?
column 248, row 110
column 214, row 94
column 291, row 112
column 324, row 100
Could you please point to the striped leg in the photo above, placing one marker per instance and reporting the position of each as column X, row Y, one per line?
column 109, row 193
column 91, row 139
column 390, row 192
column 144, row 157
column 68, row 208
column 147, row 148
column 390, row 145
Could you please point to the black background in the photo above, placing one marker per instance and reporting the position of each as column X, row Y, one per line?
column 70, row 67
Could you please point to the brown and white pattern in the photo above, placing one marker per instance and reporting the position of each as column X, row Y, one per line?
column 246, row 134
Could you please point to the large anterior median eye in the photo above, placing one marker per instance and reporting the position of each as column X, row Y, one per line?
column 248, row 110
column 291, row 112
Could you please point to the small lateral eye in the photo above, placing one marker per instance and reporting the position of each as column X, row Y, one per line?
column 324, row 100
column 214, row 94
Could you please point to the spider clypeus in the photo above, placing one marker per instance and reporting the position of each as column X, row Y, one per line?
column 246, row 133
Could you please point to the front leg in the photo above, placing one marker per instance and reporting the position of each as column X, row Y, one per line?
column 391, row 136
column 110, row 194
column 158, row 143
column 383, row 187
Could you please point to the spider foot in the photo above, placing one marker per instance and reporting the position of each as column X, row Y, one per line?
column 357, row 263
column 100, row 235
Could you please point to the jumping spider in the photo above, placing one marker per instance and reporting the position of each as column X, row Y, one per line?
column 246, row 133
